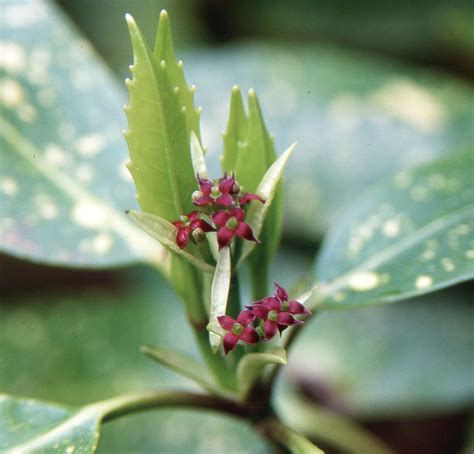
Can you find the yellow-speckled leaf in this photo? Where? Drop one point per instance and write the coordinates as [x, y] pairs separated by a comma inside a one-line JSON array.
[[408, 236], [63, 182]]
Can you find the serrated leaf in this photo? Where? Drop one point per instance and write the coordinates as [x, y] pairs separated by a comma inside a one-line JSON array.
[[182, 364], [29, 426], [70, 178], [267, 189], [159, 126], [219, 293], [236, 131], [408, 236], [251, 366], [165, 233]]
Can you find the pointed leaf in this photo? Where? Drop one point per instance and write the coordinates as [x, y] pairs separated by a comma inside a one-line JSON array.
[[182, 364], [236, 132], [29, 426], [266, 189], [295, 442], [408, 236], [62, 158], [165, 233], [159, 133], [197, 156], [331, 428], [164, 50], [219, 293], [251, 366]]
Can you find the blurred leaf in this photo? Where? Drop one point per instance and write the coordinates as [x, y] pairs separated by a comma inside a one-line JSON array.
[[267, 189], [346, 113], [251, 366], [29, 426], [294, 441], [160, 115], [61, 155], [165, 233], [408, 236], [331, 428], [410, 358], [219, 293], [182, 364]]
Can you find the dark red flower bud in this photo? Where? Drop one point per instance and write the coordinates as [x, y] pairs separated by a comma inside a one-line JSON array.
[[188, 224]]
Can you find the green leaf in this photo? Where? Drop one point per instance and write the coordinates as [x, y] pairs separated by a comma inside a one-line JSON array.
[[160, 117], [62, 160], [219, 293], [165, 233], [331, 428], [182, 364], [267, 189], [408, 236], [251, 366], [30, 426], [236, 131]]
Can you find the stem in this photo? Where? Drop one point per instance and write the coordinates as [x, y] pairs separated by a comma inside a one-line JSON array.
[[260, 284], [146, 400]]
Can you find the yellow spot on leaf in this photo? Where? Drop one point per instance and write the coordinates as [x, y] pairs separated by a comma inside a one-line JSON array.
[[423, 281], [11, 93], [9, 186], [363, 281]]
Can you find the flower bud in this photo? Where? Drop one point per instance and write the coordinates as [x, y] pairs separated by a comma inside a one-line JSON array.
[[196, 195], [198, 235]]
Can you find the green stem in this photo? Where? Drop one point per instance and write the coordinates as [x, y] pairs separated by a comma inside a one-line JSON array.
[[260, 284], [145, 400]]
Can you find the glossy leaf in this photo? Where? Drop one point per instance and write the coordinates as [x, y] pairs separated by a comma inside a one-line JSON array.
[[160, 117], [267, 189], [182, 364], [62, 162], [219, 293], [165, 233], [408, 236], [251, 366], [29, 426]]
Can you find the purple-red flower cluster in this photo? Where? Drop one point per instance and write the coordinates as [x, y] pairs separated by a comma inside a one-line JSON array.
[[222, 199], [269, 315]]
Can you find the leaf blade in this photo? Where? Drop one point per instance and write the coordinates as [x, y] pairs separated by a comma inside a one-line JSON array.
[[158, 134], [219, 293], [165, 233], [267, 189], [430, 237], [251, 366], [182, 364]]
